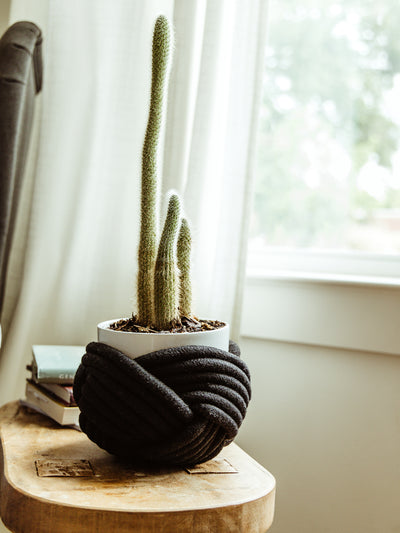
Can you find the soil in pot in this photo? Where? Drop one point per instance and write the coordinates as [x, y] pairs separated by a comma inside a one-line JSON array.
[[186, 325]]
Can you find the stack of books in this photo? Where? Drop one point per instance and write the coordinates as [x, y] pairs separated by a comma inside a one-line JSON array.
[[49, 387]]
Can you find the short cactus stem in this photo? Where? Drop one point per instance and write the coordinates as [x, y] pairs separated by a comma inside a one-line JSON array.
[[165, 273], [148, 226], [183, 257]]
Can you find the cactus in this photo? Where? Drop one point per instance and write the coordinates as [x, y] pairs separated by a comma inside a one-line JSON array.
[[159, 287], [148, 226], [165, 272], [183, 257]]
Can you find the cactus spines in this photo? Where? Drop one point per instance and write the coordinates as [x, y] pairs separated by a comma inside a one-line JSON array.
[[165, 273], [148, 226], [183, 257]]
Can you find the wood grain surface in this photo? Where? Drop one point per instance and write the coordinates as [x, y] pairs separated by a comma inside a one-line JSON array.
[[55, 480]]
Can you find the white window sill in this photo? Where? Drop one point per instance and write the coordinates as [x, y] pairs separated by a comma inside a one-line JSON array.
[[326, 278], [343, 311]]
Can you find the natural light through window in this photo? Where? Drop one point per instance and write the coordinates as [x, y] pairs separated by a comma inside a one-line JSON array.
[[328, 168]]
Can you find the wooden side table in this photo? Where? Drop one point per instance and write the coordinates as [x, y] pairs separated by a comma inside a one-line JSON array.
[[55, 480]]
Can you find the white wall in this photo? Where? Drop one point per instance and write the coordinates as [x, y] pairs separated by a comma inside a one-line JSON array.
[[326, 423]]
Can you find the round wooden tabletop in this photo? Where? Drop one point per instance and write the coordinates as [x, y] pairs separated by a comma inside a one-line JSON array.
[[54, 479]]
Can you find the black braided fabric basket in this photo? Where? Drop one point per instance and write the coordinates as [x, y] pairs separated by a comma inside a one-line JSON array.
[[178, 406]]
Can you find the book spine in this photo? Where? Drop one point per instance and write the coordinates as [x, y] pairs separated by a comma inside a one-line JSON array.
[[64, 377], [61, 392], [64, 415]]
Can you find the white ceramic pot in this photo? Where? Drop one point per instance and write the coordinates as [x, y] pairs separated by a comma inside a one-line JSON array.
[[136, 344]]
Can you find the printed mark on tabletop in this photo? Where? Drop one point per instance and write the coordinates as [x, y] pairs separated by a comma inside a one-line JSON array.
[[64, 468]]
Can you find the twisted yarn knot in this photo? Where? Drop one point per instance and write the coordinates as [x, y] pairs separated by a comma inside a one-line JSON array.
[[178, 406]]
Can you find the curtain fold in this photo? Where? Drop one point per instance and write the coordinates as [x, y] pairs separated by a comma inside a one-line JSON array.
[[81, 238]]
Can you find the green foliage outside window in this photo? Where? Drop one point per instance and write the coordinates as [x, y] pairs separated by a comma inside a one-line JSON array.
[[328, 119]]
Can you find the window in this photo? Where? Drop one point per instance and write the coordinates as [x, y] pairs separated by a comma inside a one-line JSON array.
[[324, 252], [327, 186]]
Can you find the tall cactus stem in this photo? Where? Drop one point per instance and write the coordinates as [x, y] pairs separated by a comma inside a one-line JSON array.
[[148, 225], [165, 273], [184, 247]]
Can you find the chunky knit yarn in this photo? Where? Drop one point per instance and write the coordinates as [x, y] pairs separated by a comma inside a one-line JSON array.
[[178, 406]]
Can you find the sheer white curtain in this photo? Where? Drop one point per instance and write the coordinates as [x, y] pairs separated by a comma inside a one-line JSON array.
[[79, 265]]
